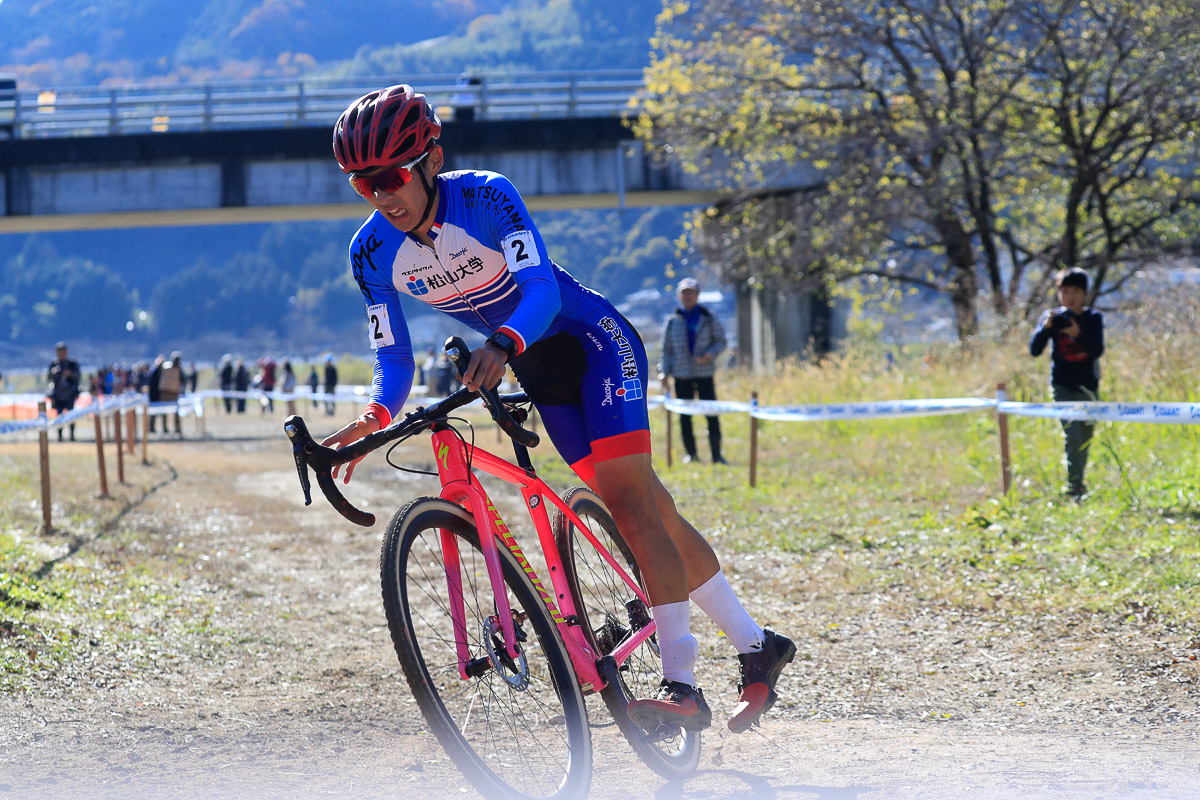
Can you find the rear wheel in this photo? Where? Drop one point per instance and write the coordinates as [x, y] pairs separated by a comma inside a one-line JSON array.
[[517, 727], [612, 612]]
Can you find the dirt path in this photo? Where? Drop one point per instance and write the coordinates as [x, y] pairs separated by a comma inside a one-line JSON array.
[[277, 679]]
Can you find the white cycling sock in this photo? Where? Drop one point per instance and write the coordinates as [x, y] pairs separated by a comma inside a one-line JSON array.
[[678, 647], [716, 599]]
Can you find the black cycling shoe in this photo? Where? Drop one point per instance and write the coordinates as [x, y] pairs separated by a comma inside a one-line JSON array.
[[760, 673], [677, 705]]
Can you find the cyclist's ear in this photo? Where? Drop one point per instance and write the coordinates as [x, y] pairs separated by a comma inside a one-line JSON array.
[[437, 159]]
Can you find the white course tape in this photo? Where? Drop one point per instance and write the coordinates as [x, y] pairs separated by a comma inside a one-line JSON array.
[[704, 407], [1169, 413], [893, 408]]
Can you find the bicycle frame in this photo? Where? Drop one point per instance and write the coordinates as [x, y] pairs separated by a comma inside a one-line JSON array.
[[455, 459]]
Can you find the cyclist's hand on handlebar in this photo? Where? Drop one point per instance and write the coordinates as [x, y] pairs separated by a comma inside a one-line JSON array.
[[349, 435], [486, 368]]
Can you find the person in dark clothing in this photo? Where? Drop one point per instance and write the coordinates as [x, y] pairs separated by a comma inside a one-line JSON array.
[[314, 383], [226, 378], [331, 381], [153, 392], [241, 383], [692, 340], [64, 384], [1077, 333]]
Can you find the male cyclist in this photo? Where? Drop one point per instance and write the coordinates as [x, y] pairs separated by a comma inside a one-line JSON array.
[[464, 243]]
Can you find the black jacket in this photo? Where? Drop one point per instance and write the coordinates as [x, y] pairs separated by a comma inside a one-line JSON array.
[[1075, 361]]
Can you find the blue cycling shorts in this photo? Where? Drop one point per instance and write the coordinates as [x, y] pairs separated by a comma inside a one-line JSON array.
[[588, 383]]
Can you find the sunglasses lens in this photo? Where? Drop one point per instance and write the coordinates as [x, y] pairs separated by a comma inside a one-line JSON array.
[[388, 180], [392, 179]]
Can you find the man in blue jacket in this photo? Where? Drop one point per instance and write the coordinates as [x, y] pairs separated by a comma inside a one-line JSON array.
[[692, 340], [1077, 333]]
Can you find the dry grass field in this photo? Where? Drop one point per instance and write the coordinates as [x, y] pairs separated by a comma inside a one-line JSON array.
[[201, 633]]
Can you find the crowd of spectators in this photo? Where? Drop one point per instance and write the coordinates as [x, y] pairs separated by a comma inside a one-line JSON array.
[[167, 378]]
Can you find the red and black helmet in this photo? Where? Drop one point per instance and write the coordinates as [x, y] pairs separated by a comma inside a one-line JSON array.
[[384, 127]]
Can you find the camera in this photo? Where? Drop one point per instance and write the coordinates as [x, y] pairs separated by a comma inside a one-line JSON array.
[[1061, 319]]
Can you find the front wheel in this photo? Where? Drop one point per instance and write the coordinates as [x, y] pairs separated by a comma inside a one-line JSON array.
[[613, 611], [516, 727]]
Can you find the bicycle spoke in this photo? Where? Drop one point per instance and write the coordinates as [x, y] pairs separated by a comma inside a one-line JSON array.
[[510, 714]]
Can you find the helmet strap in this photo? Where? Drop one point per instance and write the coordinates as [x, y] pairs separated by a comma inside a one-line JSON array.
[[430, 194]]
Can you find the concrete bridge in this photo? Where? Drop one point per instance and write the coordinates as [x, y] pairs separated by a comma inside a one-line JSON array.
[[260, 152]]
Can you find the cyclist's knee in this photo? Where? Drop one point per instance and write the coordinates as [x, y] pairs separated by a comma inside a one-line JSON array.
[[663, 500]]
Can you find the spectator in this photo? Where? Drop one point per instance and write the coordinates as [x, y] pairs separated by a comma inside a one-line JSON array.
[[445, 374], [467, 96], [428, 369], [692, 340], [266, 382], [170, 388], [314, 383], [141, 378], [96, 384], [226, 377], [152, 386], [241, 383], [331, 381], [287, 385], [190, 377], [1077, 332], [64, 384]]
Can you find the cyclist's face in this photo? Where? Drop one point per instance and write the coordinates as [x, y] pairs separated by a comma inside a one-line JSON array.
[[404, 206]]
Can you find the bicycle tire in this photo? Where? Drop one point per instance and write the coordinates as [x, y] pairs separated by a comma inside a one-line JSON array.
[[603, 598], [510, 741]]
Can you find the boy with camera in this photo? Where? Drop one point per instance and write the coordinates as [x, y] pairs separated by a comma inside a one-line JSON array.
[[1078, 336]]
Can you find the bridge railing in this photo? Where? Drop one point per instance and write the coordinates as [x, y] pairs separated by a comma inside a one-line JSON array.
[[100, 111]]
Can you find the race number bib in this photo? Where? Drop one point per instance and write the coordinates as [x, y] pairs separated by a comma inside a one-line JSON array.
[[379, 327], [520, 251]]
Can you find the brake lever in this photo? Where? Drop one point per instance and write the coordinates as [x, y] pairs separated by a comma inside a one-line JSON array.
[[460, 354], [308, 453], [299, 453]]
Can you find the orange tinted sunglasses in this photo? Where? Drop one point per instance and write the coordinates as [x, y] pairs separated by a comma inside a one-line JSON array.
[[386, 180]]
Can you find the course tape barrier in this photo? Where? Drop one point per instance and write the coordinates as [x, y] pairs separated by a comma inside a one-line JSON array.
[[193, 404], [105, 407], [893, 408], [1168, 413]]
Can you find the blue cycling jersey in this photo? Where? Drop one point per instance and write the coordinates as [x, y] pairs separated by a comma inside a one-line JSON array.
[[488, 268]]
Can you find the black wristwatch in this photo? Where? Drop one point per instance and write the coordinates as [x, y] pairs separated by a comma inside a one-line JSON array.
[[502, 341]]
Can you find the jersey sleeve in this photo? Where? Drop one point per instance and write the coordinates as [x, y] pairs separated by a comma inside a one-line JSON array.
[[387, 333], [510, 229]]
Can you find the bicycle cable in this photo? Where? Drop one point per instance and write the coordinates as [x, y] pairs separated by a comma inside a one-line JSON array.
[[470, 449]]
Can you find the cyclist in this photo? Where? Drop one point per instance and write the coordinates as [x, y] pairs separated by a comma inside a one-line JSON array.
[[464, 243]]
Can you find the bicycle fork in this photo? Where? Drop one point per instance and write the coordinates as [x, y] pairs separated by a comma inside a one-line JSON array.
[[460, 488]]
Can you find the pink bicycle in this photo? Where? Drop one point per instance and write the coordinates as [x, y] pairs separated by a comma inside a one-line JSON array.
[[500, 663]]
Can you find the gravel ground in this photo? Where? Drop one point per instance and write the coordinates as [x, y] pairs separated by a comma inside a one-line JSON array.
[[281, 681]]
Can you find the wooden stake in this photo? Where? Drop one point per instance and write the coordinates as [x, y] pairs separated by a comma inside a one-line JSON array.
[[131, 430], [145, 433], [753, 441], [1002, 419], [668, 411], [44, 458], [120, 447], [100, 455]]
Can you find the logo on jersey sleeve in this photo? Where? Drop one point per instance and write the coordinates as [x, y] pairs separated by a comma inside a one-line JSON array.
[[415, 285], [520, 250]]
